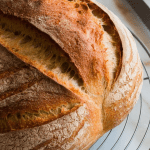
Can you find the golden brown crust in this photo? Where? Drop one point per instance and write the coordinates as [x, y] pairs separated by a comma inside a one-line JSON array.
[[44, 105], [125, 92], [83, 35], [110, 69], [29, 107]]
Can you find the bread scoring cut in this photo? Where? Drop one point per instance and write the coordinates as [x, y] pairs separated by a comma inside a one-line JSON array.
[[27, 98], [43, 53], [29, 42]]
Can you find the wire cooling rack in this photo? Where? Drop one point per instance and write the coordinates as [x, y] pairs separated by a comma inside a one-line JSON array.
[[121, 135]]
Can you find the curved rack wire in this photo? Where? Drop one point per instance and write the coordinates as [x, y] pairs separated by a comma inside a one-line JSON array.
[[137, 123], [139, 117]]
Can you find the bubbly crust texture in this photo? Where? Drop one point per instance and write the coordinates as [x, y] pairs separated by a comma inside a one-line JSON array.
[[92, 67]]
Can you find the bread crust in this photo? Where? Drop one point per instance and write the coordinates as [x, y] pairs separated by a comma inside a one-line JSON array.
[[108, 100], [83, 40], [130, 80], [26, 113]]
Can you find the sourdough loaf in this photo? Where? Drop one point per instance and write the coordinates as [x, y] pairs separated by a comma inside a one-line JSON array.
[[72, 72]]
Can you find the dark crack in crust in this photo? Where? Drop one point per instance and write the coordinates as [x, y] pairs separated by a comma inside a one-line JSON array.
[[30, 99], [40, 48]]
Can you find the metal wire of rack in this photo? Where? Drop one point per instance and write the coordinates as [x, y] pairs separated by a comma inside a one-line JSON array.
[[147, 78]]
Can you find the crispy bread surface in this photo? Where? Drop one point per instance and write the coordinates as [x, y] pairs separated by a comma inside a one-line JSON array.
[[94, 74]]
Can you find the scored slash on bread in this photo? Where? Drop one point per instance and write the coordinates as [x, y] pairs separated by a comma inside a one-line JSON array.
[[37, 104], [28, 98], [82, 46], [84, 38]]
